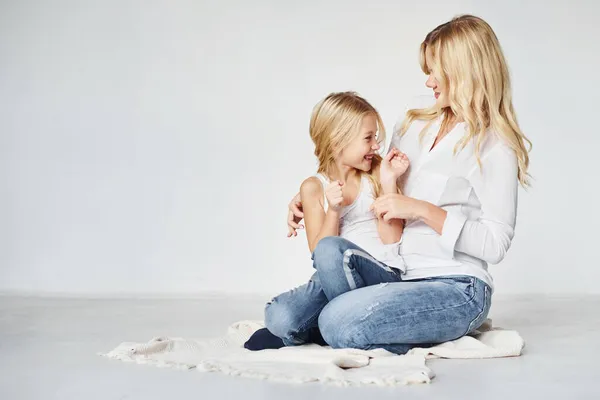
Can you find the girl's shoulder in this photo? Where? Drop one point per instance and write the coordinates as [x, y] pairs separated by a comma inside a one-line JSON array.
[[312, 187]]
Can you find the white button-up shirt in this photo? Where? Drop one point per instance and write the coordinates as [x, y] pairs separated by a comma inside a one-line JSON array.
[[481, 202]]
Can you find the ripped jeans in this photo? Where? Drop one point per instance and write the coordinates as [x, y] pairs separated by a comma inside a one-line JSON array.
[[358, 302]]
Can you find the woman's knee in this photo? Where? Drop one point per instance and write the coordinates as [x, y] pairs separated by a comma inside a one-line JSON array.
[[341, 327]]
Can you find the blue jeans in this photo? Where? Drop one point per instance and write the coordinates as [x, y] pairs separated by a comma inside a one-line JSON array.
[[358, 302]]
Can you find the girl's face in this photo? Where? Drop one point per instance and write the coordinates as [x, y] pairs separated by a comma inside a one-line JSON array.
[[359, 153], [440, 89]]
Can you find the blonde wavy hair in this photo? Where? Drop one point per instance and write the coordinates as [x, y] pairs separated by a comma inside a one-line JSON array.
[[335, 122], [465, 54]]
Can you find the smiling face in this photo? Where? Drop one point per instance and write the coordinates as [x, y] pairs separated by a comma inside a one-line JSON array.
[[361, 150], [347, 132]]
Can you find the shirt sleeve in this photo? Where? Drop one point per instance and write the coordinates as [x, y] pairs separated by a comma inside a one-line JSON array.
[[495, 188]]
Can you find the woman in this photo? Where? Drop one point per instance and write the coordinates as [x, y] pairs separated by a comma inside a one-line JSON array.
[[458, 201]]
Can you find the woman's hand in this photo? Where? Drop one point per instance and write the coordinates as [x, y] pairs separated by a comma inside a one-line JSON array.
[[393, 166], [295, 215], [397, 206]]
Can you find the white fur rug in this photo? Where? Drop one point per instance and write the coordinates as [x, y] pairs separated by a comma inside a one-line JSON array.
[[312, 363]]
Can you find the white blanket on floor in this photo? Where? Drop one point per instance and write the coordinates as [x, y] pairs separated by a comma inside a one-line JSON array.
[[310, 363]]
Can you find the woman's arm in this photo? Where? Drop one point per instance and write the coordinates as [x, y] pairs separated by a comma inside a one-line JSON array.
[[496, 188], [295, 215], [432, 215], [319, 223]]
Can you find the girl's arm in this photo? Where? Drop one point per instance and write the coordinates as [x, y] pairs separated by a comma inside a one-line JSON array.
[[319, 223], [390, 231]]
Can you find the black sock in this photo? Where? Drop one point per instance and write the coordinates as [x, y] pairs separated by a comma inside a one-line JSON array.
[[262, 339], [314, 335]]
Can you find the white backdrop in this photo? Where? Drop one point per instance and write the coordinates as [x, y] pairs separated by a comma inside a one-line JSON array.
[[151, 147]]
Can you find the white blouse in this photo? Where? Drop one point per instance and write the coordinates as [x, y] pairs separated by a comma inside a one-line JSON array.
[[481, 203]]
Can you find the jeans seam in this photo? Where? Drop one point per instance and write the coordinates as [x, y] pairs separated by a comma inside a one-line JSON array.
[[485, 291], [348, 270], [348, 254], [363, 254]]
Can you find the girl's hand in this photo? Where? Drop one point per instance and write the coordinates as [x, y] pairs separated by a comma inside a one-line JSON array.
[[396, 206], [393, 166], [334, 195]]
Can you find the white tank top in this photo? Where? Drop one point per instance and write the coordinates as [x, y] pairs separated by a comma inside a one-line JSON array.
[[359, 225]]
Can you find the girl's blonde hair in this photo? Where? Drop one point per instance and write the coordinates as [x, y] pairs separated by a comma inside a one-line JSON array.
[[335, 122], [465, 54]]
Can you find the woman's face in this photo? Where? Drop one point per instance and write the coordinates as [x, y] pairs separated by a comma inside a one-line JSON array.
[[440, 89]]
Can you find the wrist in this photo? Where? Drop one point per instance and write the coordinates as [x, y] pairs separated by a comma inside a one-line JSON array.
[[389, 187], [431, 215], [333, 212], [422, 210]]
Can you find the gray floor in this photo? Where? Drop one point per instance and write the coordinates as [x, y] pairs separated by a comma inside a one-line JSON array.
[[48, 351]]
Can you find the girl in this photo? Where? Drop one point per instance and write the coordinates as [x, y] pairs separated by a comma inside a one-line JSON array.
[[459, 199], [346, 131]]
